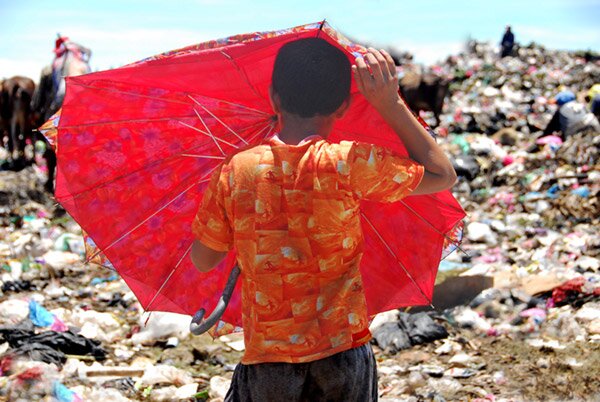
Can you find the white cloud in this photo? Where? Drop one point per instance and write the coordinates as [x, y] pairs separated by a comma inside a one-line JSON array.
[[117, 47], [426, 52], [28, 68], [574, 38], [430, 52], [110, 48]]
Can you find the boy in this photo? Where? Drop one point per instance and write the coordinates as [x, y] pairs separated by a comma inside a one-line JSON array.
[[290, 207]]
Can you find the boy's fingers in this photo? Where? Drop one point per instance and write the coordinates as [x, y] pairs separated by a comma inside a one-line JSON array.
[[383, 63], [375, 67], [358, 79], [390, 63], [380, 58], [363, 73]]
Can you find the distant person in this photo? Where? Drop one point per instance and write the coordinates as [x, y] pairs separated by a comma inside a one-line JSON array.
[[593, 99], [571, 117], [507, 43]]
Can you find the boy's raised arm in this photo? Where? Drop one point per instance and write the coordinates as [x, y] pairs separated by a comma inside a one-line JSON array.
[[380, 87]]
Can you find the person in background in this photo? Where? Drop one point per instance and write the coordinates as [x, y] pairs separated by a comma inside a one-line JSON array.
[[593, 99], [507, 43], [571, 117]]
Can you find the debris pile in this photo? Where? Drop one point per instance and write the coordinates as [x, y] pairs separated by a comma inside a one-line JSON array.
[[531, 237]]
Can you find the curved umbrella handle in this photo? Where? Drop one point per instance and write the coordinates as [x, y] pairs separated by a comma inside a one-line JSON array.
[[197, 326]]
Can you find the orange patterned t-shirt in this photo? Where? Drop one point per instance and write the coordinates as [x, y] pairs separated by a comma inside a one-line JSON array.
[[292, 214]]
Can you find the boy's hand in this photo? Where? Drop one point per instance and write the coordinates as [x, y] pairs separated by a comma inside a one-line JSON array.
[[377, 80]]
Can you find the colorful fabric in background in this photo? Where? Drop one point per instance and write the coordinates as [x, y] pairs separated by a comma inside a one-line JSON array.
[[293, 217], [50, 129], [136, 147], [40, 317], [64, 394]]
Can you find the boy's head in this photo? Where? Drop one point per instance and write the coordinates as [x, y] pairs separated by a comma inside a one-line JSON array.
[[311, 77]]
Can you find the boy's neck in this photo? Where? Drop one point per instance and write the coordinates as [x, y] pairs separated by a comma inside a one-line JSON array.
[[295, 128]]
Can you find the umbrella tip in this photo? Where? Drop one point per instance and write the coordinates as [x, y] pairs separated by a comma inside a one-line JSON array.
[[323, 23], [321, 27], [147, 318], [463, 251]]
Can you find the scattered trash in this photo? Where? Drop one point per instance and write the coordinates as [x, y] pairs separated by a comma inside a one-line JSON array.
[[165, 374], [64, 394], [159, 325], [219, 387], [411, 329], [514, 312], [39, 316]]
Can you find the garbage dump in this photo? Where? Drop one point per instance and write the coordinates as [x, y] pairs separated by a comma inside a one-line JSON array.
[[73, 331]]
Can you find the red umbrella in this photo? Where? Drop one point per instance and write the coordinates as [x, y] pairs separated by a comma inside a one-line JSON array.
[[136, 146]]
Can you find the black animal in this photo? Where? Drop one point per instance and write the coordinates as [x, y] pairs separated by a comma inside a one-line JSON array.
[[44, 106], [16, 117], [424, 92]]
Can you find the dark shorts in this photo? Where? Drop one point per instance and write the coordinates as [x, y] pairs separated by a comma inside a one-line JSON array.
[[346, 376]]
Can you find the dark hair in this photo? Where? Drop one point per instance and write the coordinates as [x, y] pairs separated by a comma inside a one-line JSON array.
[[311, 77]]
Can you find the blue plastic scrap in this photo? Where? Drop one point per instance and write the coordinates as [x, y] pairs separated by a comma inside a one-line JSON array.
[[39, 316]]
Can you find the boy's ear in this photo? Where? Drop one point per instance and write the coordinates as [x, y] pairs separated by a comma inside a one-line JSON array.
[[275, 100], [339, 113]]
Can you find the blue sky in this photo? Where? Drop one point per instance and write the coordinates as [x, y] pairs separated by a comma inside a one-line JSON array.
[[119, 32]]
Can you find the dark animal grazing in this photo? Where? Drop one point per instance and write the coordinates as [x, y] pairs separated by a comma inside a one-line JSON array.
[[424, 92], [16, 117], [44, 106], [43, 98], [3, 122]]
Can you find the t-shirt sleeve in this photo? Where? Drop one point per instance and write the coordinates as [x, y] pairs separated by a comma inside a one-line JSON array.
[[211, 225], [378, 174]]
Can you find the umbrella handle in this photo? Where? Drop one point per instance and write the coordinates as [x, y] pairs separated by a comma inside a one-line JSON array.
[[197, 326]]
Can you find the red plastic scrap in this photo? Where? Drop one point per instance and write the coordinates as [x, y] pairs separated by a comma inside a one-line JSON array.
[[33, 373], [574, 285], [5, 365]]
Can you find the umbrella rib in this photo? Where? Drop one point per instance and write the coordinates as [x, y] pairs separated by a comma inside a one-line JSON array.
[[219, 120], [260, 131], [202, 180], [168, 277], [165, 99], [250, 109], [203, 156], [242, 73], [209, 132], [105, 123], [395, 256], [271, 128], [156, 162], [170, 100], [129, 93], [73, 196], [434, 228]]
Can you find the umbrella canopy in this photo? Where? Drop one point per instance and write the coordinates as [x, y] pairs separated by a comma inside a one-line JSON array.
[[136, 146]]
